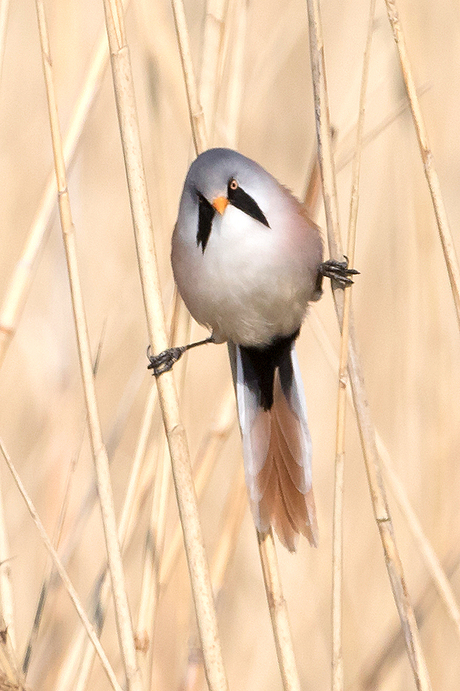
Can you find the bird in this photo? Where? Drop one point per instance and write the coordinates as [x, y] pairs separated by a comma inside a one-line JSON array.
[[247, 260]]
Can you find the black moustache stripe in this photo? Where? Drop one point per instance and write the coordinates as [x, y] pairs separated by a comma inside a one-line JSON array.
[[241, 200], [205, 215]]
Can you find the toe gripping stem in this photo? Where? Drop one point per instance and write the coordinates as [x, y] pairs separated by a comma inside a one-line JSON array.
[[338, 272], [164, 361]]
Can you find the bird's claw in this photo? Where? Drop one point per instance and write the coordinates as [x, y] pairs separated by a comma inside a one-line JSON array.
[[164, 361], [338, 272]]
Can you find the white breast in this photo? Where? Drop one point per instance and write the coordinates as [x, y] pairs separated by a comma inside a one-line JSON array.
[[251, 283]]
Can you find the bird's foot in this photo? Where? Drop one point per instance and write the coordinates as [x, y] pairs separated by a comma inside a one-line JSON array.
[[164, 361], [338, 272]]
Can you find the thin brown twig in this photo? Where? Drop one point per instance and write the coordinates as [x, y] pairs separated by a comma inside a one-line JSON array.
[[445, 234], [367, 433], [124, 625], [312, 194]]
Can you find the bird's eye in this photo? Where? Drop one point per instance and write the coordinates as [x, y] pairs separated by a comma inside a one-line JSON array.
[[240, 199]]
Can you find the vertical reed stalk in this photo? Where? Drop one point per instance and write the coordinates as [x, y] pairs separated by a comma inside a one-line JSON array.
[[337, 552], [196, 557], [367, 433], [432, 563], [272, 580], [212, 48], [196, 113], [278, 612], [81, 655], [124, 626]]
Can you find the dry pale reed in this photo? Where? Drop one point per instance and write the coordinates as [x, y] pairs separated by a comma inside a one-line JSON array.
[[257, 97]]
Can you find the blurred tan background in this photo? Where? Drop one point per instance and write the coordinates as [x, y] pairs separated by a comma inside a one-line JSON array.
[[405, 324]]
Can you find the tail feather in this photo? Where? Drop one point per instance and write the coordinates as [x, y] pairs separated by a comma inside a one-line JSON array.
[[288, 436], [276, 444], [264, 476]]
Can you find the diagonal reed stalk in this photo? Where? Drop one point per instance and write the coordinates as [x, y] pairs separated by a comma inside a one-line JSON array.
[[20, 282], [431, 561], [232, 518], [337, 538], [83, 657], [140, 480], [48, 579], [367, 433], [138, 484], [124, 626], [209, 450], [180, 459], [62, 572], [442, 221], [392, 648]]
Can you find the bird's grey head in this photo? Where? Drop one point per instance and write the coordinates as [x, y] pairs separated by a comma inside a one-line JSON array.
[[224, 174]]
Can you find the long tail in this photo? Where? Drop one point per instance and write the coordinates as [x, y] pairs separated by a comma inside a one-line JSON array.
[[276, 441]]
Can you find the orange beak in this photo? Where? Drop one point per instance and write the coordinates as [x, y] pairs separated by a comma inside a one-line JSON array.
[[220, 204]]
